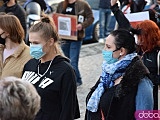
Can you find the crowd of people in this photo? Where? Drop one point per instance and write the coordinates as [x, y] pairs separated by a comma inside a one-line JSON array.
[[40, 80]]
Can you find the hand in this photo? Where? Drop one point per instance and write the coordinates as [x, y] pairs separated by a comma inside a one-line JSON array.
[[79, 27], [153, 6], [158, 2], [113, 2]]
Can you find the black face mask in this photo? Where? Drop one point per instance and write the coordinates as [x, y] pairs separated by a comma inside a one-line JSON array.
[[2, 40], [5, 1]]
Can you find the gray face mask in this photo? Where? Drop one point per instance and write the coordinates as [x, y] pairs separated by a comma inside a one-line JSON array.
[[2, 40]]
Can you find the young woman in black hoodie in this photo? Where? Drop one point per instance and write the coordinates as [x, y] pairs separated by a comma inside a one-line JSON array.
[[51, 74]]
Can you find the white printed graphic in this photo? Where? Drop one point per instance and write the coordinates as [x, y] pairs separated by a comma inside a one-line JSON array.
[[64, 26], [80, 19], [33, 78]]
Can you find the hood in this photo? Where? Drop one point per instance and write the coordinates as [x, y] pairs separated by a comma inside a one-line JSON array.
[[60, 58]]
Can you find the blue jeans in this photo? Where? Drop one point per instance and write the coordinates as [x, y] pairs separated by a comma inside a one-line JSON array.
[[104, 20], [71, 49]]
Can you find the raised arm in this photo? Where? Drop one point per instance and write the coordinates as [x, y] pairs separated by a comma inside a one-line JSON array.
[[120, 17]]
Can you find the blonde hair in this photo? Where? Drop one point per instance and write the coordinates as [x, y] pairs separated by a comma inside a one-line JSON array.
[[19, 99], [48, 30]]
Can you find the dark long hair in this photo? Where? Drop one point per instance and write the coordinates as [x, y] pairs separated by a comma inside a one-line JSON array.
[[125, 39]]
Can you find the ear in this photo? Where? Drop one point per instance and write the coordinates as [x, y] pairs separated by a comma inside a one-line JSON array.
[[51, 42], [123, 52], [6, 34]]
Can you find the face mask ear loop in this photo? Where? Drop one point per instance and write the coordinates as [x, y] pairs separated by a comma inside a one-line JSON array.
[[117, 50], [2, 33]]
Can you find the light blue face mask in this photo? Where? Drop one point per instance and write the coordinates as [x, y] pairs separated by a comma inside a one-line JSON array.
[[36, 51], [108, 56]]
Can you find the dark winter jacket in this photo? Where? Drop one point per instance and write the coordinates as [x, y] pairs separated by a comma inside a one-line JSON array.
[[150, 61], [57, 88], [119, 102]]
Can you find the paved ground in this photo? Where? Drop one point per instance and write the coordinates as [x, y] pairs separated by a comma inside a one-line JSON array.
[[90, 68]]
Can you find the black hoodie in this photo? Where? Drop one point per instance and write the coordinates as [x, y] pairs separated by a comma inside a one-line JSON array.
[[57, 88]]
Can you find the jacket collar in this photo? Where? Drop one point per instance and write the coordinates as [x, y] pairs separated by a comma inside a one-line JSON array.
[[20, 49]]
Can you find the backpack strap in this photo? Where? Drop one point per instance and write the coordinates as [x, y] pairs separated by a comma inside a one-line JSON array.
[[158, 63]]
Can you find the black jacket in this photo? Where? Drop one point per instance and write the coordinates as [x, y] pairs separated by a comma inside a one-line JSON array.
[[150, 61], [57, 88], [118, 102], [18, 11]]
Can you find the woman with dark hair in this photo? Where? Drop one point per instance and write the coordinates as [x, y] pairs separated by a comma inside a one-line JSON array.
[[51, 74], [148, 41], [14, 53], [124, 86], [71, 48]]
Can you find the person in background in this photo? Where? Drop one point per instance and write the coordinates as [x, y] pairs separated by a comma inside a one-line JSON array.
[[132, 6], [14, 53], [71, 48], [149, 45], [43, 3], [1, 3], [148, 41], [156, 10], [51, 74], [124, 86], [19, 99], [12, 6], [104, 19]]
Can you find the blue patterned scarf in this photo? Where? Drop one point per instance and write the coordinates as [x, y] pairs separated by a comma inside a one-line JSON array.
[[110, 72]]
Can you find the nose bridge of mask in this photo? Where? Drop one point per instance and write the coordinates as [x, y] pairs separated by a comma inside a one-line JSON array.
[[106, 52], [36, 51], [108, 56], [36, 46]]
